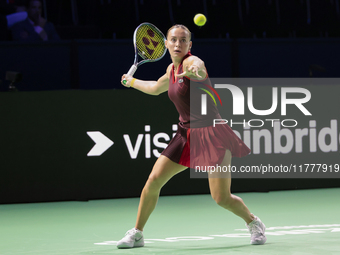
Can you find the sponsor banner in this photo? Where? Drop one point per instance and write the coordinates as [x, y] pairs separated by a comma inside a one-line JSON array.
[[80, 145]]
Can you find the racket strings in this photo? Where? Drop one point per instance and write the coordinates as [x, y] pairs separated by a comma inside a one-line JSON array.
[[150, 42]]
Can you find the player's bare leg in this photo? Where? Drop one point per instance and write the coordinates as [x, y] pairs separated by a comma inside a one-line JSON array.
[[161, 173], [220, 184]]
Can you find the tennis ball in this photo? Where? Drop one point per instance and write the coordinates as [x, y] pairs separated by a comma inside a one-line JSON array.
[[200, 19]]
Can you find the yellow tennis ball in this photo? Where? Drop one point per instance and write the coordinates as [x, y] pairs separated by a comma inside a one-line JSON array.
[[200, 19]]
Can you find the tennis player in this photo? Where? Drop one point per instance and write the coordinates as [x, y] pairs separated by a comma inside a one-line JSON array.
[[220, 142]]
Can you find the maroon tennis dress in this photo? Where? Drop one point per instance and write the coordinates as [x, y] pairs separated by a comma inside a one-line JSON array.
[[197, 142]]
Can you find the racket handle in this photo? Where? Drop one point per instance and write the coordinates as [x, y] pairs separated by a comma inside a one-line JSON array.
[[131, 72]]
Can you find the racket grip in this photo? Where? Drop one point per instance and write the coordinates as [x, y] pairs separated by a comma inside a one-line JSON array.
[[132, 70]]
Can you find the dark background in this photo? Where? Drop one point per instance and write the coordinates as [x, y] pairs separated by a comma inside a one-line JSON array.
[[226, 18], [99, 64]]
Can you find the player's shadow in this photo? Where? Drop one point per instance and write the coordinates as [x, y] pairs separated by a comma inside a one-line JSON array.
[[177, 250]]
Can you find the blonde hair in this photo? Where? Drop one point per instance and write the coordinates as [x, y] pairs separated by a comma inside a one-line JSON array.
[[179, 26]]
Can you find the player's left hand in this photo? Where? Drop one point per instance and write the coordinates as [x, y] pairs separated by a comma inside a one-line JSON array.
[[190, 71]]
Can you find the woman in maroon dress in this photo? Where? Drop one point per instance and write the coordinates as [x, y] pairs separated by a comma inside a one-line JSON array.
[[197, 142]]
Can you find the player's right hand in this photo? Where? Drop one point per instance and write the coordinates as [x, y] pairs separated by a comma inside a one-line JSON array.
[[128, 79]]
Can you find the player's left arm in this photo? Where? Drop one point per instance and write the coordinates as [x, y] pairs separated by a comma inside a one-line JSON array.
[[193, 67]]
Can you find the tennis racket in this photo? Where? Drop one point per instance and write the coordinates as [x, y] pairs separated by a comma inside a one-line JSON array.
[[149, 44]]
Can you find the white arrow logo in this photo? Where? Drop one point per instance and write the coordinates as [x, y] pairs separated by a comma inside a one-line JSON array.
[[102, 143]]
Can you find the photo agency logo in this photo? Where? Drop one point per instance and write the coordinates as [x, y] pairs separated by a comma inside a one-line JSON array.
[[275, 116], [239, 102], [204, 98]]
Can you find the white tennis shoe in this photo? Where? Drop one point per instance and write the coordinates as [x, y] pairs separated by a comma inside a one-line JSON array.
[[133, 238], [257, 229]]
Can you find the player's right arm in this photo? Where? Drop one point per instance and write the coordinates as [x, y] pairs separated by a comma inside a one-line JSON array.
[[149, 87]]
